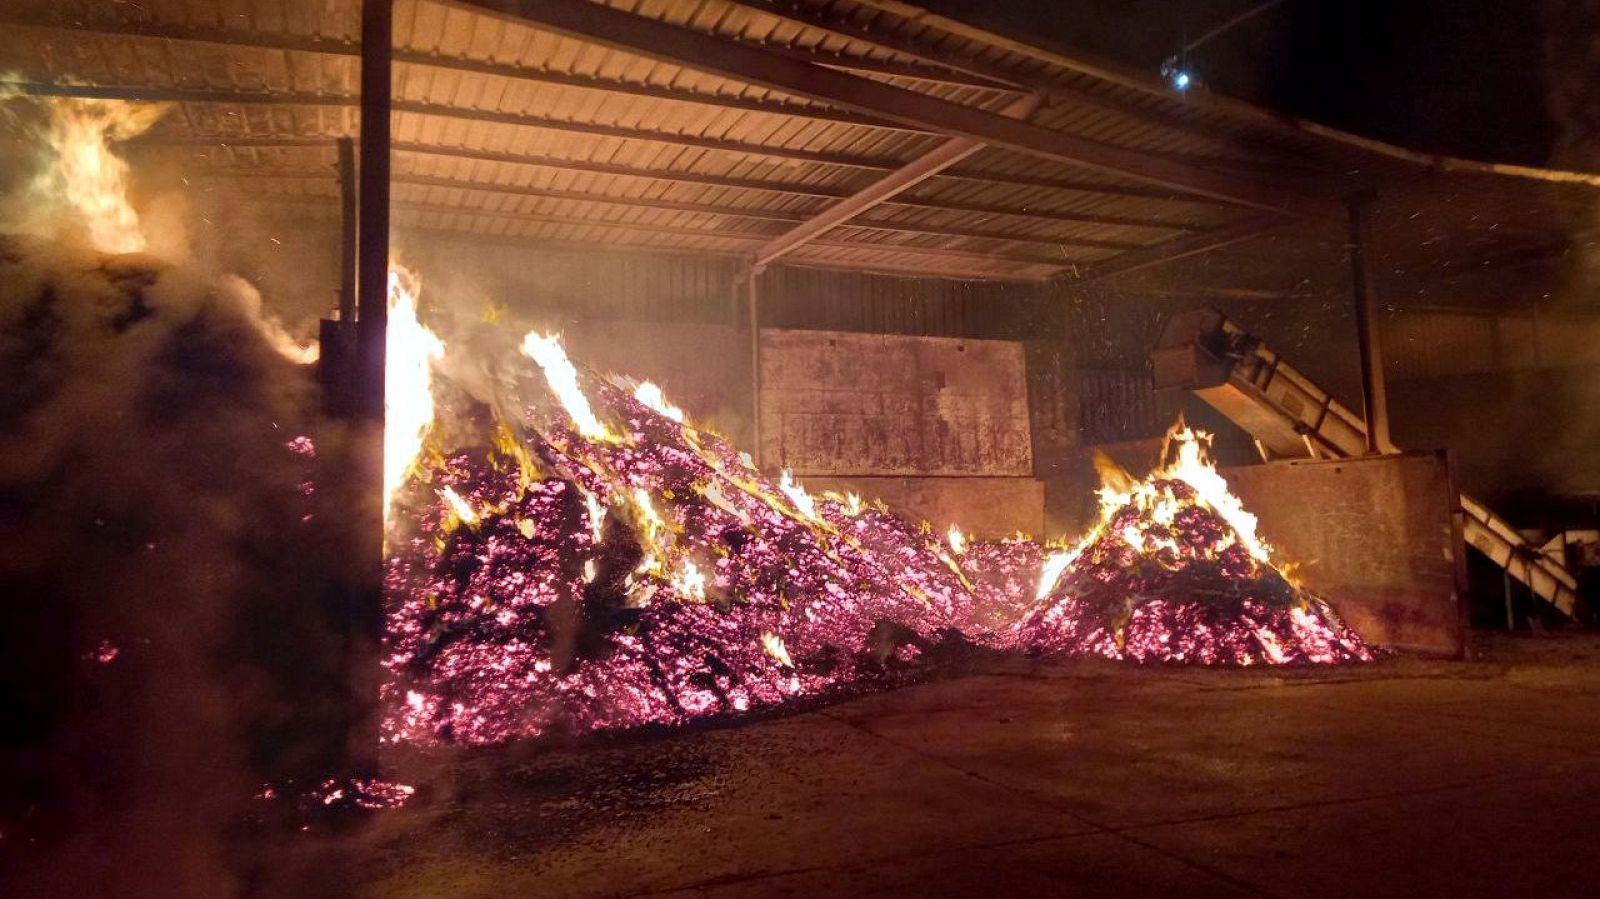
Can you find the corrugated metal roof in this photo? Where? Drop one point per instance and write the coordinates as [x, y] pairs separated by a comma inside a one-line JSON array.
[[506, 129]]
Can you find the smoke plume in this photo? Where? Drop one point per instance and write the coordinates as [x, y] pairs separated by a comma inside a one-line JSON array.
[[174, 557]]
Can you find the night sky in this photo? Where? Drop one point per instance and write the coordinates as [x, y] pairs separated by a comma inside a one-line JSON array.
[[1460, 77]]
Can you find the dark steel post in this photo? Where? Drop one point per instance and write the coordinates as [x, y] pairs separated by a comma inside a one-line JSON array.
[[377, 20], [753, 318], [347, 230], [372, 314], [1374, 399]]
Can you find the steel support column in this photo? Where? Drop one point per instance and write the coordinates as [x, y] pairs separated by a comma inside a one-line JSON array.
[[377, 21], [1374, 399], [347, 231], [752, 299], [372, 313]]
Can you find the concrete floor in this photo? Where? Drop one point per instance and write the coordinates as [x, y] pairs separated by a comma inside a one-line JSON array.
[[1403, 778]]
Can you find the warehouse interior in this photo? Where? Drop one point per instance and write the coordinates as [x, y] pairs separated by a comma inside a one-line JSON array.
[[973, 274]]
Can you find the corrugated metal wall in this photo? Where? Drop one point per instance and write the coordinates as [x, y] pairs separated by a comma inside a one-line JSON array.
[[1434, 344], [1116, 404], [707, 289], [818, 299], [589, 285]]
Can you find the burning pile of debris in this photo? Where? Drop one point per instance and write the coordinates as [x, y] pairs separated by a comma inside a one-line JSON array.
[[604, 564], [1174, 572]]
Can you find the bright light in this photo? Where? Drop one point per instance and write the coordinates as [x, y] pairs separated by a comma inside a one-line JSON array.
[[1054, 564], [690, 582], [1180, 80], [773, 644]]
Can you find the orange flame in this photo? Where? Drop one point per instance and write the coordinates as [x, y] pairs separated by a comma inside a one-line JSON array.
[[562, 376], [410, 353], [1186, 457], [651, 395], [87, 176]]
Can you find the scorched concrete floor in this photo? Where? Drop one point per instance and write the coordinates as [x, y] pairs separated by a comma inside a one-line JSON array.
[[1403, 778]]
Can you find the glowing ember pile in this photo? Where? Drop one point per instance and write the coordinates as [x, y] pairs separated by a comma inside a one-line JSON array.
[[606, 565], [1174, 571]]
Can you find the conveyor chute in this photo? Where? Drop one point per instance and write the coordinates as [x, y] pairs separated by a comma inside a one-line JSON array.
[[1291, 417]]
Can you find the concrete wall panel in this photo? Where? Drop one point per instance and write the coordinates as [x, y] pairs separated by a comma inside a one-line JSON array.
[[859, 404], [985, 508], [1379, 537]]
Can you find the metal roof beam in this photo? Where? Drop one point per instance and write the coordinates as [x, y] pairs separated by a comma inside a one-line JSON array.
[[557, 163], [787, 188], [746, 212], [978, 68], [1177, 248], [626, 31], [678, 231], [295, 43], [908, 176], [183, 95], [522, 120]]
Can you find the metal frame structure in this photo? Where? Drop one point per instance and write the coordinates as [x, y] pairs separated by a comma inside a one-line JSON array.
[[875, 132]]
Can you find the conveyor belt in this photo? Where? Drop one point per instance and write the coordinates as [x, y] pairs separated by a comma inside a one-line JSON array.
[[1291, 417]]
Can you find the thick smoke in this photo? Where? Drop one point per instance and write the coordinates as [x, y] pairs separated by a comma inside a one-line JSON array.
[[175, 567]]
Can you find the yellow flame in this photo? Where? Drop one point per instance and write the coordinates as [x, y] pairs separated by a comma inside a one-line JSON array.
[[597, 515], [689, 581], [849, 502], [461, 507], [1192, 465], [1186, 459], [1054, 564], [803, 503], [1187, 455], [559, 372], [956, 539], [85, 173], [773, 644], [651, 523], [410, 352], [651, 395]]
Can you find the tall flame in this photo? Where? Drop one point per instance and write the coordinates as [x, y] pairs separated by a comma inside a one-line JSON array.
[[546, 349], [87, 176], [1186, 458], [651, 395], [411, 351], [803, 503], [1192, 465]]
